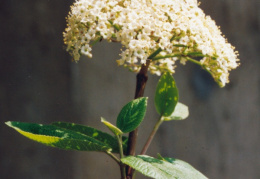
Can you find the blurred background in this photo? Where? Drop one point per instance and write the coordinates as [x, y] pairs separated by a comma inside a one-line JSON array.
[[39, 83]]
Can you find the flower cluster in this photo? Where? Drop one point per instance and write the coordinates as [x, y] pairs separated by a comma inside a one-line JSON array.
[[162, 31]]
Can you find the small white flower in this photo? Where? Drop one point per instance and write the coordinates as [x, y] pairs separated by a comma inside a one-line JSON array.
[[143, 26]]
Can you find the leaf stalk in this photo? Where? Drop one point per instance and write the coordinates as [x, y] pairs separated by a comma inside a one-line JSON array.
[[149, 140], [121, 152], [113, 157]]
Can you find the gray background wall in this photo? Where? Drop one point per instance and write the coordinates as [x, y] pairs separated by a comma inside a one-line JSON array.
[[39, 83]]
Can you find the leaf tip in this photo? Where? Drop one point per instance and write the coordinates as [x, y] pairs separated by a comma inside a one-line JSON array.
[[103, 120], [8, 123], [143, 99], [111, 127]]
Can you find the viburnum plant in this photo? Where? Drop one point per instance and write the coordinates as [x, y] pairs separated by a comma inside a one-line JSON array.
[[154, 34]]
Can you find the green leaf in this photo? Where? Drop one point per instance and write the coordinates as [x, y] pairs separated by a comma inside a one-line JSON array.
[[180, 112], [111, 127], [132, 114], [166, 95], [52, 135], [162, 169], [109, 140]]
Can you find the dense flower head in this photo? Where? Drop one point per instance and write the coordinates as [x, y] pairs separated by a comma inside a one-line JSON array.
[[162, 31]]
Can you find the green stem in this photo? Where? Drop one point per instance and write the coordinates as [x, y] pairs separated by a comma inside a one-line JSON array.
[[167, 56], [156, 52], [120, 145], [121, 152], [113, 157], [114, 25], [149, 140], [198, 63], [96, 41], [193, 61], [184, 56]]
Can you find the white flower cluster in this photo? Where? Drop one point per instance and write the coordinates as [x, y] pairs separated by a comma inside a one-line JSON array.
[[162, 31]]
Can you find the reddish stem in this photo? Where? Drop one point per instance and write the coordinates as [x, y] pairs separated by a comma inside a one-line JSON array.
[[141, 79]]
